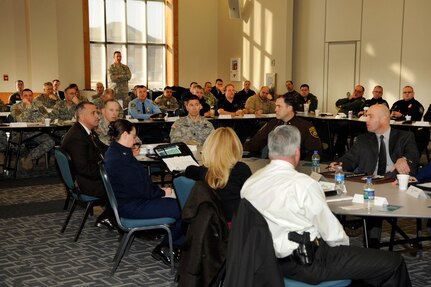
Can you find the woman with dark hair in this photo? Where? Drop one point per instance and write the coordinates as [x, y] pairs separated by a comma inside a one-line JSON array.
[[136, 195]]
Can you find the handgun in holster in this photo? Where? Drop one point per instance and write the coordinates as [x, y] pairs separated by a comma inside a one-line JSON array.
[[304, 254]]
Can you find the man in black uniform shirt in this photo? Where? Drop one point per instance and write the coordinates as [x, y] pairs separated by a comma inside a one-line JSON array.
[[285, 112], [291, 89], [407, 106], [306, 98], [245, 93], [376, 99]]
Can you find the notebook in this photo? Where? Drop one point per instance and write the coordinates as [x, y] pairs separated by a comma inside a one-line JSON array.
[[176, 156]]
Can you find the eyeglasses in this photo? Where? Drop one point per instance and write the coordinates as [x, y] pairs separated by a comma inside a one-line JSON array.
[[137, 145]]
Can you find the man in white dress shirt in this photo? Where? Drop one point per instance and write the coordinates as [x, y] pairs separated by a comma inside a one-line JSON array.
[[292, 202]]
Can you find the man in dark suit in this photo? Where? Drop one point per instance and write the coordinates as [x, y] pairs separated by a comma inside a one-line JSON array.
[[363, 157], [57, 92], [366, 156], [86, 151]]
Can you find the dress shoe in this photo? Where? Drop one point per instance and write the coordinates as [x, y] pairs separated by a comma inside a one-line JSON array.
[[162, 254], [106, 222]]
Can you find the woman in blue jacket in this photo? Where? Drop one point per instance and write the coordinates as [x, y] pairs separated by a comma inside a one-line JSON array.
[[136, 195]]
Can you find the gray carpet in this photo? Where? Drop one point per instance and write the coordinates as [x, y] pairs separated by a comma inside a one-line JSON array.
[[35, 253]]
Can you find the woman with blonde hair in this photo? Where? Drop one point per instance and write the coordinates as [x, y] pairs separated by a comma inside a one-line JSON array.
[[222, 168]]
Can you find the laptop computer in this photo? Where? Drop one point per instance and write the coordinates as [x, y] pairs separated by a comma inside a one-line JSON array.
[[176, 156]]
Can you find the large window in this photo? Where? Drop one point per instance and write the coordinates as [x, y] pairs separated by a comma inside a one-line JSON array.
[[137, 29]]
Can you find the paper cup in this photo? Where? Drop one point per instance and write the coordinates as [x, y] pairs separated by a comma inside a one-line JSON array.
[[403, 181], [306, 108], [408, 118], [317, 113], [47, 122]]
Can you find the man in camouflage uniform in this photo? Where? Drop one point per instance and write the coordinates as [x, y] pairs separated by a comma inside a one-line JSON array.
[[120, 74], [208, 96], [285, 112], [167, 102], [65, 110], [29, 111], [107, 95], [192, 129], [100, 88], [47, 99], [110, 113]]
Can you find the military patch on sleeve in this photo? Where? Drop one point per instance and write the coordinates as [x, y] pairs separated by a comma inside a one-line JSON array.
[[313, 132], [421, 110], [133, 105]]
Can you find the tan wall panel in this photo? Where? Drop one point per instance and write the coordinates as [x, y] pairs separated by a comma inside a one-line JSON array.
[[379, 63], [308, 46], [416, 59], [343, 20], [198, 38]]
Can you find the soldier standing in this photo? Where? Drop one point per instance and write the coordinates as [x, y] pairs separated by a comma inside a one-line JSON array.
[[120, 75]]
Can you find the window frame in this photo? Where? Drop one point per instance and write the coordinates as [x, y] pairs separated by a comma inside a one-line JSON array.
[[170, 46]]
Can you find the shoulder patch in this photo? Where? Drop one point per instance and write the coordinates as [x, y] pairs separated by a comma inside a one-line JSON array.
[[133, 105], [313, 132]]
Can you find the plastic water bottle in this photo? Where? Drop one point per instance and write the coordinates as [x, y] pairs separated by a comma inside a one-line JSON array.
[[339, 180], [369, 194], [315, 162]]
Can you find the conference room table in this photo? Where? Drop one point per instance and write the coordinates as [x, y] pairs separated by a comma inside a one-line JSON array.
[[400, 204]]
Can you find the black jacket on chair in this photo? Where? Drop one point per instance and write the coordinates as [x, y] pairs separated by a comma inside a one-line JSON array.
[[207, 235], [251, 259]]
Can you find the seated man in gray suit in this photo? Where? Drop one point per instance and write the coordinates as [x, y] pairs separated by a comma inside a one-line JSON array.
[[381, 151]]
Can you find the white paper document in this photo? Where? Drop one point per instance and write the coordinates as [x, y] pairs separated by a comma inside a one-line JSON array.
[[336, 198], [378, 200], [179, 163]]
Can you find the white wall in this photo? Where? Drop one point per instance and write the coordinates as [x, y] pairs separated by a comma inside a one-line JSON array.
[[41, 40], [263, 35], [393, 44], [13, 48], [198, 38]]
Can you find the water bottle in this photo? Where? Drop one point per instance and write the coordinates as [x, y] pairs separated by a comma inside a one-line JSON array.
[[315, 162], [369, 194], [339, 180]]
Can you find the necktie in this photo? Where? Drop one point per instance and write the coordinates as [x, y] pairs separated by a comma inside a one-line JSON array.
[[95, 139], [381, 168]]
